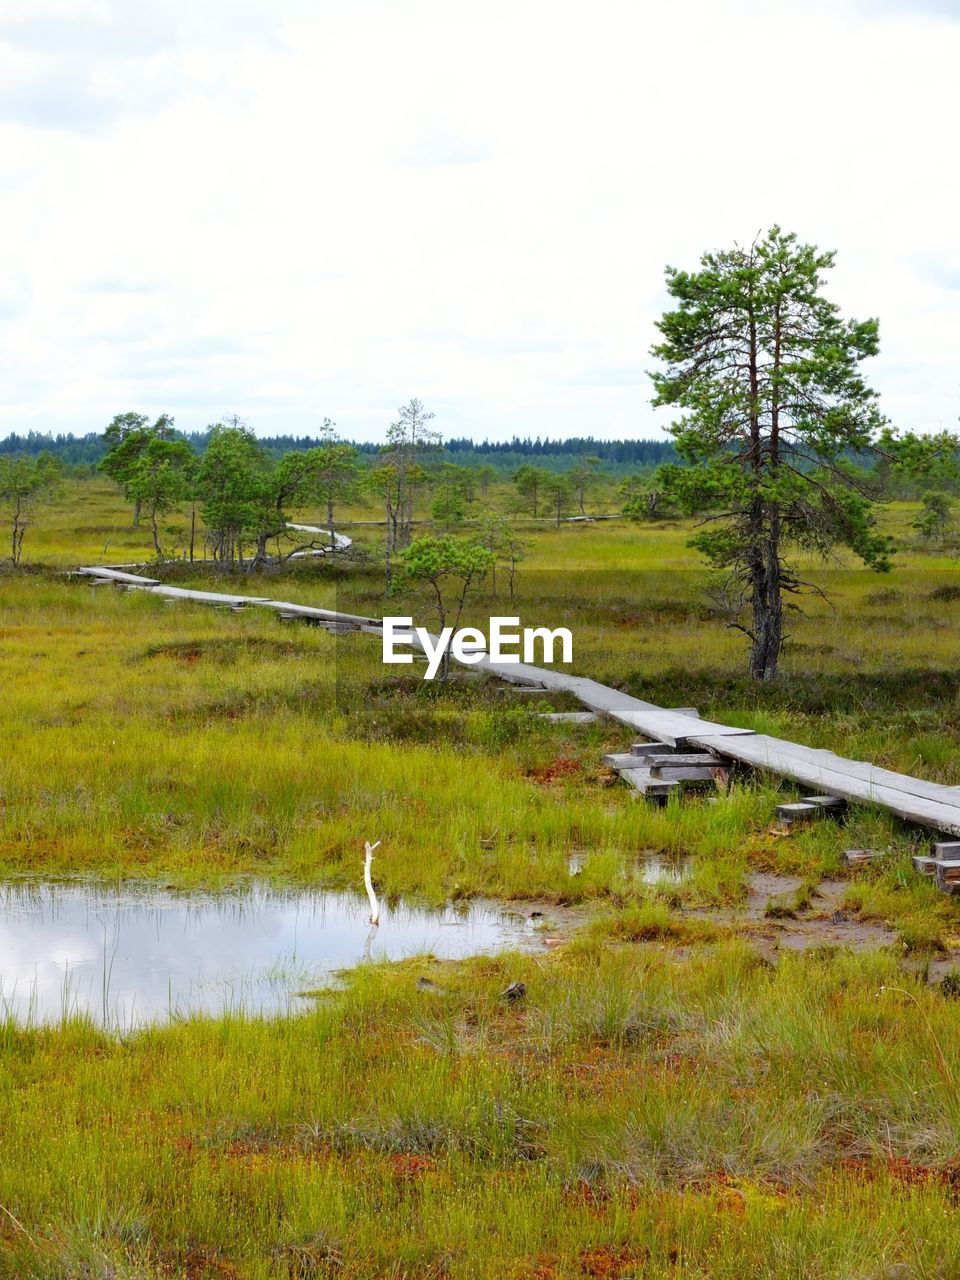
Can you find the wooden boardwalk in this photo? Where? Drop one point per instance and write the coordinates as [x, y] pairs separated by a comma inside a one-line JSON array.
[[928, 804]]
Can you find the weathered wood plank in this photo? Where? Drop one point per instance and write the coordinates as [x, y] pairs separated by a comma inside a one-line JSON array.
[[859, 857], [641, 781], [569, 717], [779, 756], [913, 804], [690, 774], [626, 760], [679, 759], [311, 611], [117, 575], [797, 810]]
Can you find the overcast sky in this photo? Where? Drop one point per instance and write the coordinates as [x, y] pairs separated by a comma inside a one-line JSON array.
[[299, 208]]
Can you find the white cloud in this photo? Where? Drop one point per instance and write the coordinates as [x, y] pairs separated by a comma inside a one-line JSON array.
[[306, 208]]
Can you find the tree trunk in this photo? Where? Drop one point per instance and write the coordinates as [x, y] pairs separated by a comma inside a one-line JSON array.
[[193, 527], [333, 537], [136, 514], [767, 631], [260, 555]]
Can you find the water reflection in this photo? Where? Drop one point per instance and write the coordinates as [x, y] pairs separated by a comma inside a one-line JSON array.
[[133, 956], [650, 869]]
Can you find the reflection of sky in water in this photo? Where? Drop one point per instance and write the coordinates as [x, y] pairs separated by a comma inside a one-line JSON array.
[[650, 869], [128, 957]]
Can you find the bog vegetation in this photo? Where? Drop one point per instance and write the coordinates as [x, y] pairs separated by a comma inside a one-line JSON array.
[[679, 1091]]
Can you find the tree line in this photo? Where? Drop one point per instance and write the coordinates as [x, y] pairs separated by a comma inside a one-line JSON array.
[[90, 448], [779, 446]]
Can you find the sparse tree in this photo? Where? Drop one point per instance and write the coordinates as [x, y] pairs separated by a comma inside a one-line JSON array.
[[230, 488], [448, 508], [486, 474], [584, 477], [288, 483], [453, 492], [766, 374], [647, 504], [559, 493], [160, 480], [335, 473], [449, 569], [935, 523], [507, 547], [128, 436], [529, 481], [400, 472], [24, 484]]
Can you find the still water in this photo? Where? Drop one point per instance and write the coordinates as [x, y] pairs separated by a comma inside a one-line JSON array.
[[131, 956]]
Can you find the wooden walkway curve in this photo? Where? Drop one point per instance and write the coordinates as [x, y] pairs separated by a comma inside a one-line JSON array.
[[928, 804]]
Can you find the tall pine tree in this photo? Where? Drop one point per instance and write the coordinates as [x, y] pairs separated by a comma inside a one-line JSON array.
[[767, 375]]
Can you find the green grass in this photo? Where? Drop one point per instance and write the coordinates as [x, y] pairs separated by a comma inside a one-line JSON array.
[[664, 1102], [706, 1116]]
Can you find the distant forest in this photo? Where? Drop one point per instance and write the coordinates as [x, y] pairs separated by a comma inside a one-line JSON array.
[[505, 455]]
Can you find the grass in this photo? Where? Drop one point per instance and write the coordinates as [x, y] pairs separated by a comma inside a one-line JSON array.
[[637, 1112], [663, 1102]]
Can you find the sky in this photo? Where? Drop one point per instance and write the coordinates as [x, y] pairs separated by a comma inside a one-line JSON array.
[[298, 209]]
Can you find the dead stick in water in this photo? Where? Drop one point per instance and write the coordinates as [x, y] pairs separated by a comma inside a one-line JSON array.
[[368, 882]]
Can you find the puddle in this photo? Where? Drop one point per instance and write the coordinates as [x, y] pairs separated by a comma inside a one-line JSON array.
[[132, 956], [823, 923], [658, 870], [652, 868]]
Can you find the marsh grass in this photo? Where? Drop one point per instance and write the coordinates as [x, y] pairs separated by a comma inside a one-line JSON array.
[[664, 1102], [710, 1114]]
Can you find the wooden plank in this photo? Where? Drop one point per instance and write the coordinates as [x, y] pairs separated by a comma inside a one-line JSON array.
[[859, 857], [625, 760], [690, 774], [311, 611], [944, 849], [768, 753], [641, 781], [679, 758], [117, 575], [825, 802], [206, 597], [569, 717], [797, 810], [925, 866], [648, 748], [765, 752]]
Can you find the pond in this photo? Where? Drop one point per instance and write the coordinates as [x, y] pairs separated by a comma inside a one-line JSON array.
[[129, 956]]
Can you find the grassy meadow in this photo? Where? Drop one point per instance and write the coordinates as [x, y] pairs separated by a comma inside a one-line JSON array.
[[673, 1097]]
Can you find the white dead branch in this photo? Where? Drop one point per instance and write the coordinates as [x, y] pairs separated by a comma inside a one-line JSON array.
[[368, 882]]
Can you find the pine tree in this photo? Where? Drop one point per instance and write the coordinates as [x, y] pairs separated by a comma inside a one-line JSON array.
[[767, 376]]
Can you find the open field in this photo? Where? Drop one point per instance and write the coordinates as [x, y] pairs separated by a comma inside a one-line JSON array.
[[665, 1101]]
